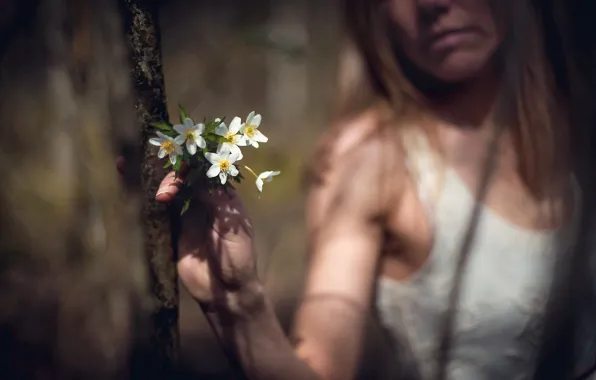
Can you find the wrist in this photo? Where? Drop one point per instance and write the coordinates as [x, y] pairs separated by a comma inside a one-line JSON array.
[[239, 304], [247, 301]]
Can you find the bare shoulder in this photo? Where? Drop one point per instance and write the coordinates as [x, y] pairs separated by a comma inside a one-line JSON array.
[[364, 147], [360, 167], [363, 137]]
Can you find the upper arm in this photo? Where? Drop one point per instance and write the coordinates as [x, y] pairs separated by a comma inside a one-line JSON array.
[[345, 229]]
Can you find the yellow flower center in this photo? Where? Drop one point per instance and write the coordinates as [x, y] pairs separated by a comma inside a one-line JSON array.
[[224, 165], [231, 138], [250, 130], [189, 135], [168, 146]]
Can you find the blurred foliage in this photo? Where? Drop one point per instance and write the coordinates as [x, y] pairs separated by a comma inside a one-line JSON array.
[[260, 38]]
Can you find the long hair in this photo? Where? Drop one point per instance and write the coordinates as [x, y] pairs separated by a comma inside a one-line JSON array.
[[531, 105]]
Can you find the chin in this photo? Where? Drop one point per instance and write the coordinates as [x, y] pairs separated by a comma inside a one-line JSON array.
[[460, 67]]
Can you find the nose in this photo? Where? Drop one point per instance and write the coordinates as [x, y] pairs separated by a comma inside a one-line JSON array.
[[430, 10], [433, 3]]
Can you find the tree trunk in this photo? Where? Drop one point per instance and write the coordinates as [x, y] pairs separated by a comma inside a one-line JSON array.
[[142, 29]]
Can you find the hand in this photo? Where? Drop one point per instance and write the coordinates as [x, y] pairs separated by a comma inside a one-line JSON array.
[[216, 261]]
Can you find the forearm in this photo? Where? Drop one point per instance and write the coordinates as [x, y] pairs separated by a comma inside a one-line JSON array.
[[253, 336]]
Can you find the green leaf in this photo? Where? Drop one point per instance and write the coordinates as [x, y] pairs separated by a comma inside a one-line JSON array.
[[177, 164], [161, 125], [168, 164], [210, 138], [185, 207], [212, 125], [183, 113]]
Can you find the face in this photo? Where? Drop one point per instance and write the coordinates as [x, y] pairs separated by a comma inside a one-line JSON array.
[[452, 40]]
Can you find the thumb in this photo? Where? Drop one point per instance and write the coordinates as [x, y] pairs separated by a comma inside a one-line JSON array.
[[170, 185]]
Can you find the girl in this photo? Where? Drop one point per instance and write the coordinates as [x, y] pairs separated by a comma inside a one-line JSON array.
[[391, 202]]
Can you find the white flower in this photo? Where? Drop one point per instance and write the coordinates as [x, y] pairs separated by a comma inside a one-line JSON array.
[[250, 130], [222, 164], [265, 177], [233, 140], [167, 146], [190, 134]]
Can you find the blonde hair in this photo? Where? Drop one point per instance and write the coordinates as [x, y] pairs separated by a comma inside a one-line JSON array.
[[530, 104]]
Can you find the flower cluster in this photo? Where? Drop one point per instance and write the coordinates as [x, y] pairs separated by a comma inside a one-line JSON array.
[[210, 146]]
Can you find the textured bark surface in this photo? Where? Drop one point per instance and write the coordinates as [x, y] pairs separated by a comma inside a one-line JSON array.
[[143, 33], [72, 273]]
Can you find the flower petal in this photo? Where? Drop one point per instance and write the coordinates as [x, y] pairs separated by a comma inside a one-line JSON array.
[[201, 143], [155, 141], [223, 150], [173, 158], [221, 130], [249, 117], [242, 141], [213, 158], [191, 146], [235, 154], [270, 177], [223, 177], [260, 137], [233, 171], [179, 139], [256, 121], [265, 174], [254, 144], [213, 171], [179, 128], [163, 137], [178, 149], [161, 154], [200, 128], [188, 123], [259, 183], [235, 125]]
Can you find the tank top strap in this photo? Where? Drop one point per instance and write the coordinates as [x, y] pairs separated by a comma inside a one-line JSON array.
[[422, 166]]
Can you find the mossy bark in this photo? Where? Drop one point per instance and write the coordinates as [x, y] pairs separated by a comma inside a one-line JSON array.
[[142, 29]]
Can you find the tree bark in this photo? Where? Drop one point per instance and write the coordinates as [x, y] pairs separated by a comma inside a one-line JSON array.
[[142, 29]]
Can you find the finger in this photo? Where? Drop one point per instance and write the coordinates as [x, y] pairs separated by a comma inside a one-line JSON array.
[[217, 196], [169, 188], [120, 164]]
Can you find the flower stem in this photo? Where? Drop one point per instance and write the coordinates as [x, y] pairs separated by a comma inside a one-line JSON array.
[[250, 170]]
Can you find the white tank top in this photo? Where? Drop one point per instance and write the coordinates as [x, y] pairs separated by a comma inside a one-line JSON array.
[[504, 294]]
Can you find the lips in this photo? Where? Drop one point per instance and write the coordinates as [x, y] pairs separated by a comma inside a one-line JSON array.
[[450, 38]]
